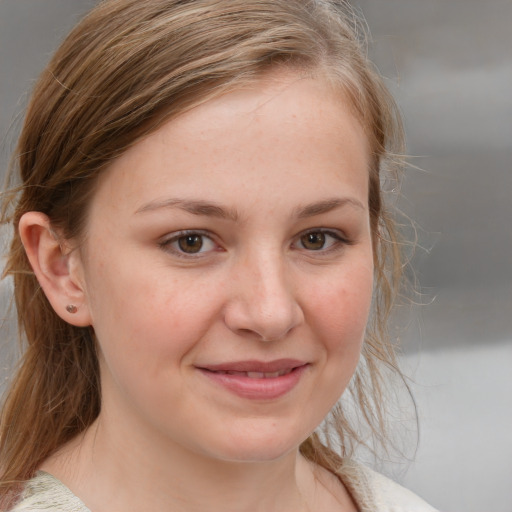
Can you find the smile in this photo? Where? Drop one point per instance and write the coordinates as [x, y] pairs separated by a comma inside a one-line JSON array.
[[256, 380]]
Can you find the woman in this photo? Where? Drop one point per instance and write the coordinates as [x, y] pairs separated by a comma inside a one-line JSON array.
[[199, 240]]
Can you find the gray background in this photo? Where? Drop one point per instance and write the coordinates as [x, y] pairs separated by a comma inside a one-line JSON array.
[[449, 65]]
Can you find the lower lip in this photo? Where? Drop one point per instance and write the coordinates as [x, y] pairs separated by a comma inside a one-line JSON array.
[[257, 389]]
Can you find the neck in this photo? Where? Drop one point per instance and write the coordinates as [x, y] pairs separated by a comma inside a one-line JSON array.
[[111, 471]]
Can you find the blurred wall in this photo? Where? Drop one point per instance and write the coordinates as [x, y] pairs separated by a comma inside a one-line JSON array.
[[449, 65]]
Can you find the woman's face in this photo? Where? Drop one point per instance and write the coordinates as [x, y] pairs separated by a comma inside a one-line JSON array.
[[228, 271]]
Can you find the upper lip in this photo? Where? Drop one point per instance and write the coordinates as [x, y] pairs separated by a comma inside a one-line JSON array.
[[254, 366]]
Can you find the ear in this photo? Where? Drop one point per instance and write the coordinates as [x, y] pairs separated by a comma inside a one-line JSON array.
[[57, 267]]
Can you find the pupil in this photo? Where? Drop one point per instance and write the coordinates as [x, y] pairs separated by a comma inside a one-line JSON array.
[[314, 241], [190, 243]]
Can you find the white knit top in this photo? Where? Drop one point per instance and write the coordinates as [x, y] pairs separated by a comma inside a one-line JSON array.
[[371, 491]]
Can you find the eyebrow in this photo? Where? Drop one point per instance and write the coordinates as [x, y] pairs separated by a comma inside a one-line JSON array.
[[211, 209], [195, 207], [327, 205]]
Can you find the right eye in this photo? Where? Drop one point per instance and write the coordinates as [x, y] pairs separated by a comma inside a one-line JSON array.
[[188, 243]]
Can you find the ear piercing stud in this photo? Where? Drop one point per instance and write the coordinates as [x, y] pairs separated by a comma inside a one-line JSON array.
[[71, 308]]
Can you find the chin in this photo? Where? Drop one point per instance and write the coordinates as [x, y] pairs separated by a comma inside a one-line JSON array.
[[257, 453], [257, 444]]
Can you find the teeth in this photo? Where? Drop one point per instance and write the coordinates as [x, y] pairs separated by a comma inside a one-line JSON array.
[[258, 375]]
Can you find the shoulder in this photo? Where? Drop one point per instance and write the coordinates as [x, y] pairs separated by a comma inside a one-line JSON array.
[[377, 493], [45, 493]]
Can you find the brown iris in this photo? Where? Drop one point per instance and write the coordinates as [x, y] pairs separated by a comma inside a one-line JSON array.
[[190, 243], [313, 241]]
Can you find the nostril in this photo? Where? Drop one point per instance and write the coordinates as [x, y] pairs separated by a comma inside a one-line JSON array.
[[248, 333]]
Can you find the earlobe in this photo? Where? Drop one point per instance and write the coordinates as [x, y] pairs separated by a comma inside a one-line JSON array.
[[55, 269]]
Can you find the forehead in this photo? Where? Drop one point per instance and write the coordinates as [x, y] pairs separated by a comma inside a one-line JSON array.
[[286, 130]]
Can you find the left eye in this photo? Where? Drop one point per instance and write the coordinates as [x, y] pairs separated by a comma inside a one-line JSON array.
[[318, 240], [189, 243]]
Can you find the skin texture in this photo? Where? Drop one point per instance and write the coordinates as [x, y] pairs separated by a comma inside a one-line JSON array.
[[285, 270]]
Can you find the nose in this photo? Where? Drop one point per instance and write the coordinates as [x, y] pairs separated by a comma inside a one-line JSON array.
[[263, 303]]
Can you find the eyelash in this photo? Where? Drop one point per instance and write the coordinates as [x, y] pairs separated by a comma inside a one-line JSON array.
[[339, 241], [167, 243]]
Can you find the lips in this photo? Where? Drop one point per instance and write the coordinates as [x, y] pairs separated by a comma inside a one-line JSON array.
[[255, 379]]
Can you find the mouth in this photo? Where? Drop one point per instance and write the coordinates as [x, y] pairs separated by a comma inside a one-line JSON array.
[[257, 380]]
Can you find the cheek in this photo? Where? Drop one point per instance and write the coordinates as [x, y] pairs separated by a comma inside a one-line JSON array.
[[148, 314], [338, 311], [147, 332], [341, 307]]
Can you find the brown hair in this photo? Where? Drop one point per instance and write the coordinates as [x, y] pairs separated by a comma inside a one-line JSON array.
[[127, 67]]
